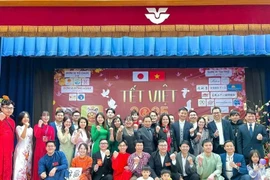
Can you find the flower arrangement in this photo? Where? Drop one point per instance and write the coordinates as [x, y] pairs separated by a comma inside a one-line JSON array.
[[262, 114]]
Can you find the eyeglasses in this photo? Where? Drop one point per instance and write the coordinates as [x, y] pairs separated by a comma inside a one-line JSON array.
[[162, 145], [9, 108], [103, 143]]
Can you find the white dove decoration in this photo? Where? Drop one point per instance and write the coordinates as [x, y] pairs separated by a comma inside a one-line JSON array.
[[111, 103], [105, 93], [188, 105], [155, 16], [184, 92]]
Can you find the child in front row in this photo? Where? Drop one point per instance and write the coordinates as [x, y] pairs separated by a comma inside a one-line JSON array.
[[146, 171], [256, 170], [166, 174]]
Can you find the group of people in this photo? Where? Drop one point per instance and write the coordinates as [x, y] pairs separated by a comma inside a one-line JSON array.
[[156, 147]]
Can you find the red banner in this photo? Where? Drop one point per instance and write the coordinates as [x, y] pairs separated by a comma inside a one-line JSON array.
[[163, 90], [95, 16]]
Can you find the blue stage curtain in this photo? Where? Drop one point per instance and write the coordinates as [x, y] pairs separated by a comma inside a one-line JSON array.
[[16, 81], [128, 46]]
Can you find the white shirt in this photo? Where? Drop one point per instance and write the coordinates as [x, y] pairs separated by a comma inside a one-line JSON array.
[[141, 178], [253, 126], [194, 125], [75, 126], [102, 155], [184, 160], [220, 132], [58, 126], [181, 125], [229, 169], [162, 158]]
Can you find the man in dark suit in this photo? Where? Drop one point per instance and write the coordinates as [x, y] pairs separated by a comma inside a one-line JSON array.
[[233, 164], [147, 135], [102, 162], [220, 130], [183, 129], [57, 125], [251, 136], [184, 163], [160, 160]]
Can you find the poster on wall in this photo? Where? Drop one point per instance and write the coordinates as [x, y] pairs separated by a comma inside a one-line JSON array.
[[161, 90]]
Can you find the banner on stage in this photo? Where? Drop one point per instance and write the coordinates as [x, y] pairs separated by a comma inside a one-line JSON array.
[[145, 90]]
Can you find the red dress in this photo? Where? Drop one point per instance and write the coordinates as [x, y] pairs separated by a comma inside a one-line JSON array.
[[118, 165], [42, 134], [7, 128]]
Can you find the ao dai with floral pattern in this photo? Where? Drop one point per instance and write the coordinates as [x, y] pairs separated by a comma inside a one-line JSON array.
[[23, 154]]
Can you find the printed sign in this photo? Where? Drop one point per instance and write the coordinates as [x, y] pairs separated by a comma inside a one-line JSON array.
[[234, 87], [77, 89], [214, 80], [200, 88], [217, 88], [145, 90], [223, 95], [218, 72], [223, 102]]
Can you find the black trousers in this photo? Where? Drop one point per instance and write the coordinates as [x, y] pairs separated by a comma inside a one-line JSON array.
[[193, 176], [107, 177]]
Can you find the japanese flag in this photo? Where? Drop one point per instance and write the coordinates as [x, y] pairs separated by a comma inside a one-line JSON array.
[[140, 76]]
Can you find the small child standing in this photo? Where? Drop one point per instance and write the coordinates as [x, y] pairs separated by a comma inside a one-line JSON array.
[[255, 170], [146, 171], [166, 174]]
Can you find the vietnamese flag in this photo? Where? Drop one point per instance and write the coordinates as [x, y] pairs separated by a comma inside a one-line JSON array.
[[156, 75]]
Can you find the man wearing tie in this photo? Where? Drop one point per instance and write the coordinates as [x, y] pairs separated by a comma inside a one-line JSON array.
[[251, 136], [146, 134]]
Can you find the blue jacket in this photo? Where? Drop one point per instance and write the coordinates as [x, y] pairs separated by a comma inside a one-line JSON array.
[[47, 163], [186, 134], [227, 132], [246, 143], [57, 143], [238, 159]]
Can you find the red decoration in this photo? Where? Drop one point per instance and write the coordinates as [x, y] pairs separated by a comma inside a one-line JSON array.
[[156, 75], [95, 16]]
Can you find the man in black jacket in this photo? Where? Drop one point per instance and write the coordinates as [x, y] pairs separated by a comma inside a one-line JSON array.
[[235, 123], [102, 162], [220, 130], [160, 160]]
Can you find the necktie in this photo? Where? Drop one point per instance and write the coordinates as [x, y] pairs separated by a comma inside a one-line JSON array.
[[149, 130], [250, 130], [150, 133]]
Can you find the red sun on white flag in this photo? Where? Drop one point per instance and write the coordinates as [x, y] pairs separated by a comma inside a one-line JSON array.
[[140, 76]]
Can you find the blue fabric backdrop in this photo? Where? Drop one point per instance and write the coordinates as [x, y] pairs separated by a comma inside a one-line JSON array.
[[17, 73], [127, 46]]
